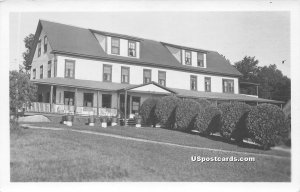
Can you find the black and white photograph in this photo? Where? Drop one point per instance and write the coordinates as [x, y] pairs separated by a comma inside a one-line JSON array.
[[129, 94]]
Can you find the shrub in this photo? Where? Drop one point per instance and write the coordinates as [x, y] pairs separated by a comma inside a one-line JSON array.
[[185, 114], [266, 125], [208, 120], [147, 111], [233, 120], [203, 103], [165, 111]]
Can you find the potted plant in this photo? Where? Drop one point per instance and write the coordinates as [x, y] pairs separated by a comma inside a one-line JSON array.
[[114, 121], [138, 121], [91, 120], [104, 122], [64, 119], [69, 119]]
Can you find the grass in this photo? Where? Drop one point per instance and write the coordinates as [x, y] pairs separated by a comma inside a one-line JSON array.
[[171, 136], [46, 155]]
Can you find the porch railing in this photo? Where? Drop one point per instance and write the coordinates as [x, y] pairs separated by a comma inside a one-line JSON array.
[[69, 109]]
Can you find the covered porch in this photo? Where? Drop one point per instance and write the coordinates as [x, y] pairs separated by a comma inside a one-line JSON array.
[[86, 98]]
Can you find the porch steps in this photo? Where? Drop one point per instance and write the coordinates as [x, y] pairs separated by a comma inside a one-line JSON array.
[[130, 122]]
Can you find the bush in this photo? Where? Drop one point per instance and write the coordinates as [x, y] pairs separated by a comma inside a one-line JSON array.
[[185, 114], [208, 120], [203, 103], [165, 111], [266, 125], [147, 111], [233, 120]]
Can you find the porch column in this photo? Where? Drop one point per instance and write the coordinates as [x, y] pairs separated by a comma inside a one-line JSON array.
[[51, 98], [257, 90], [75, 101], [125, 110], [130, 104], [97, 103], [118, 101]]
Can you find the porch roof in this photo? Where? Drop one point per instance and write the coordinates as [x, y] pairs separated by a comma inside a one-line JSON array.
[[103, 86], [221, 96], [109, 86], [79, 83]]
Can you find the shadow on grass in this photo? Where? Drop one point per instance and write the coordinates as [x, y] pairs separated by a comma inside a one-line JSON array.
[[239, 144]]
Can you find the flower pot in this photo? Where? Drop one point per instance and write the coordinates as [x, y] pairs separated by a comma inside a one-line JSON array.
[[104, 124], [69, 123]]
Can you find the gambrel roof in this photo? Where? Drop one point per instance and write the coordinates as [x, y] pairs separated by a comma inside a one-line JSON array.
[[76, 41]]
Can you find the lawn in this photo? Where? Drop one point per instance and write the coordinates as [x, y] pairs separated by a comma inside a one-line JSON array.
[[47, 155]]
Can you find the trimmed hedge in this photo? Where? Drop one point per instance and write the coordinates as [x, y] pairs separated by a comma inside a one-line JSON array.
[[266, 125], [208, 121], [165, 111], [185, 115], [203, 103], [147, 111], [233, 120]]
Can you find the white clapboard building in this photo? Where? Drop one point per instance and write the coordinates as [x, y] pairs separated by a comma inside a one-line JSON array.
[[91, 72]]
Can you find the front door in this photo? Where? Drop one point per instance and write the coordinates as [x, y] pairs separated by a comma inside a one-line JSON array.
[[136, 104]]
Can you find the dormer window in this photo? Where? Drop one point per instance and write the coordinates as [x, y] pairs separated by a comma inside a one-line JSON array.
[[188, 58], [39, 48], [200, 59], [115, 46], [45, 44], [131, 48]]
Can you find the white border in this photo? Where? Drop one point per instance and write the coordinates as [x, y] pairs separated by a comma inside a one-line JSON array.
[[7, 7]]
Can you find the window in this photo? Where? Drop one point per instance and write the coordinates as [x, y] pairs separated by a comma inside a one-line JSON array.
[[115, 46], [55, 67], [69, 69], [200, 59], [88, 99], [69, 98], [125, 74], [41, 71], [207, 84], [107, 70], [193, 83], [147, 76], [228, 86], [39, 48], [106, 100], [49, 69], [162, 78], [135, 104], [33, 73], [131, 48], [188, 58], [45, 44]]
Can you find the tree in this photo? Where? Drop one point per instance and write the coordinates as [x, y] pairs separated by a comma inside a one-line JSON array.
[[249, 68], [21, 90], [28, 40], [272, 83]]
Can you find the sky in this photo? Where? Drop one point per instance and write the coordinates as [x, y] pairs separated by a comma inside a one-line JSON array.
[[265, 35]]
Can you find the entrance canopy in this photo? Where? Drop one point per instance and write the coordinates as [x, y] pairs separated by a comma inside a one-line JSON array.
[[151, 88]]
